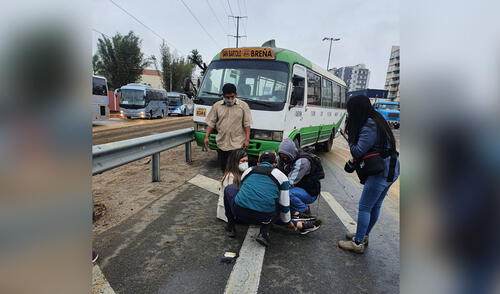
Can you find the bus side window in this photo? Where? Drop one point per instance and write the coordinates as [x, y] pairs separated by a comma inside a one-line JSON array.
[[297, 91], [313, 89], [342, 97]]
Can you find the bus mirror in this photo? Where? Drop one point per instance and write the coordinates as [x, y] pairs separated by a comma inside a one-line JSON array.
[[187, 84], [297, 95]]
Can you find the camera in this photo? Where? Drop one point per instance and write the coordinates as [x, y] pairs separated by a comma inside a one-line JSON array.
[[350, 166]]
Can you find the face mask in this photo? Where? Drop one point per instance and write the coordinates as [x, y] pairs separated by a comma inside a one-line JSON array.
[[243, 166], [229, 102]]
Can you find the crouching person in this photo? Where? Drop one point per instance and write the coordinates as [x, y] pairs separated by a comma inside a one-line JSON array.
[[262, 200]]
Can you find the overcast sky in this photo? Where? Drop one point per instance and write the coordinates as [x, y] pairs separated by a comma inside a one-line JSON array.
[[367, 29]]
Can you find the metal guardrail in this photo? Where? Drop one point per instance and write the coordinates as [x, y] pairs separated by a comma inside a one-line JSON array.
[[115, 154]]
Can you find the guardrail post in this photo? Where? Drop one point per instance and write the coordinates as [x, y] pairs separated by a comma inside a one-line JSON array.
[[155, 167], [188, 152]]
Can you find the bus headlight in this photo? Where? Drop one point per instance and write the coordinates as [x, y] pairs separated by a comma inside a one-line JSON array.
[[278, 136], [201, 128], [263, 135], [268, 135]]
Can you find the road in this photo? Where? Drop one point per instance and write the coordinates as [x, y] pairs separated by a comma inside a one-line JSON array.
[[175, 244], [118, 129]]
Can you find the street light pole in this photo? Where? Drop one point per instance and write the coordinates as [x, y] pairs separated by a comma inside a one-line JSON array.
[[331, 39]]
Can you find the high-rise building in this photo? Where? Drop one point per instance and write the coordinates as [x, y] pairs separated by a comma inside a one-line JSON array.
[[356, 77], [392, 78]]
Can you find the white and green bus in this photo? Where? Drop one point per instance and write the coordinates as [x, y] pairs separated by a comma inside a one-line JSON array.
[[288, 95]]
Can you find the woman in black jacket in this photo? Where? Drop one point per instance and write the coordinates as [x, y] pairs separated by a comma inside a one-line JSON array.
[[369, 135]]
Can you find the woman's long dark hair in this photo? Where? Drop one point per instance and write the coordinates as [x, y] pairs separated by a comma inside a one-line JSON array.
[[359, 109], [232, 166]]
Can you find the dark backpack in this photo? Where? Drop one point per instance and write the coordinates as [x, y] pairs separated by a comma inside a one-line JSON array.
[[317, 171]]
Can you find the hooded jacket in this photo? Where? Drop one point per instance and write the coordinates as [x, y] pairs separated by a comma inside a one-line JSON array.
[[298, 169]]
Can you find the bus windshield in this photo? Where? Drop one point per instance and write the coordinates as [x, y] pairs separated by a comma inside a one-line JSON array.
[[174, 101], [389, 106], [132, 97], [255, 80]]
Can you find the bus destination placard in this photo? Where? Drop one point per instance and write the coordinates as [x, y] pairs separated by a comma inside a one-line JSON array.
[[247, 53]]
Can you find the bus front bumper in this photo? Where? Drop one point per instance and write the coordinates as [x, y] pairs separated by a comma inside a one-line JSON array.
[[140, 113], [256, 146]]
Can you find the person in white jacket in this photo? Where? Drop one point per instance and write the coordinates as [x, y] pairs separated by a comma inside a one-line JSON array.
[[236, 165]]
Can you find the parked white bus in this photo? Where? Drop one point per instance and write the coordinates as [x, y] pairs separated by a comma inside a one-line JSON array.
[[100, 108], [288, 95]]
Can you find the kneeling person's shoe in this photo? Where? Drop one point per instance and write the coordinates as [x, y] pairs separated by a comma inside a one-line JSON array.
[[310, 226], [263, 239], [303, 217], [351, 235], [231, 231], [352, 246]]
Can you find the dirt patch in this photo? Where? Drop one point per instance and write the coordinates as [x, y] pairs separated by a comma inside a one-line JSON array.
[[127, 189]]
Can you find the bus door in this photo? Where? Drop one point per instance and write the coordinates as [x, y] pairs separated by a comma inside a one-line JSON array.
[[295, 110]]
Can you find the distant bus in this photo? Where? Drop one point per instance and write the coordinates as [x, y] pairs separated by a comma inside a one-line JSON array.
[[100, 109], [289, 97], [180, 104], [142, 101]]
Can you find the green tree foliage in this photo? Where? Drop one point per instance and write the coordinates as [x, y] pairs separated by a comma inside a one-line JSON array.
[[120, 59], [173, 69], [195, 57]]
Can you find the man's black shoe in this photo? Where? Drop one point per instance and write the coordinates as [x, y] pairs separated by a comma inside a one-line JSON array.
[[263, 239]]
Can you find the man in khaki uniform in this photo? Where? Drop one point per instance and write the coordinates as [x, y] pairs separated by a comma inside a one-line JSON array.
[[231, 118]]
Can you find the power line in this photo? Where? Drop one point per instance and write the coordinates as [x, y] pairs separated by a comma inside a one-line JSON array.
[[101, 33], [194, 16], [239, 8], [231, 10], [143, 24], [217, 18]]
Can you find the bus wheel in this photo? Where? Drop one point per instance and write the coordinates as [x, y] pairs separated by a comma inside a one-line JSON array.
[[324, 146], [185, 112], [163, 114], [150, 114], [129, 117]]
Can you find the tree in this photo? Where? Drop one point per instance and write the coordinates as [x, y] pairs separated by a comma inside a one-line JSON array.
[[96, 63], [196, 58], [120, 59], [173, 69]]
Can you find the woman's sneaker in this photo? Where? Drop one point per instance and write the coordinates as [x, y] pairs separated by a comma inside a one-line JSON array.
[[351, 235], [352, 246], [310, 226]]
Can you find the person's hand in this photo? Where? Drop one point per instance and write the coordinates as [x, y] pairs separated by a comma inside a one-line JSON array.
[[206, 141], [292, 226], [246, 144]]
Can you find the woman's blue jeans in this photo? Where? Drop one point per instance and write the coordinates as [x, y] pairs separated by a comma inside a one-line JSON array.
[[373, 195]]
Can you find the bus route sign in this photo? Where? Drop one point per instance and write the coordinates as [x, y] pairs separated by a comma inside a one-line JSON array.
[[247, 53]]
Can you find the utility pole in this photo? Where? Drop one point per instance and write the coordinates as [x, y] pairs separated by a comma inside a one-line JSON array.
[[237, 28], [330, 51]]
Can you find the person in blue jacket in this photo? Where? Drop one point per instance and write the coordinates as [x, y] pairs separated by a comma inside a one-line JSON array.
[[368, 133]]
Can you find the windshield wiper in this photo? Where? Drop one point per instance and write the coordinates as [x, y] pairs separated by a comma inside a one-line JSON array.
[[255, 101], [212, 93]]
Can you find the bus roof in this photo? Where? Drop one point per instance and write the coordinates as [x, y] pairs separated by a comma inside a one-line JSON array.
[[293, 57]]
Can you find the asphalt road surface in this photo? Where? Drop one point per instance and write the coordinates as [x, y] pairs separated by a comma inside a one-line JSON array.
[[175, 244]]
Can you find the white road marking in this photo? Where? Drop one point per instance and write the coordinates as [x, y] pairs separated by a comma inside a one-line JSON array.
[[206, 183], [245, 276], [344, 217]]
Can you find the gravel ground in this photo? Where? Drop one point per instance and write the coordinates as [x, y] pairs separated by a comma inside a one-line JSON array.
[[126, 189]]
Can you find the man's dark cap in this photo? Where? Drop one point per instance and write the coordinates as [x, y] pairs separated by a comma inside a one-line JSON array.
[[229, 88], [267, 156]]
